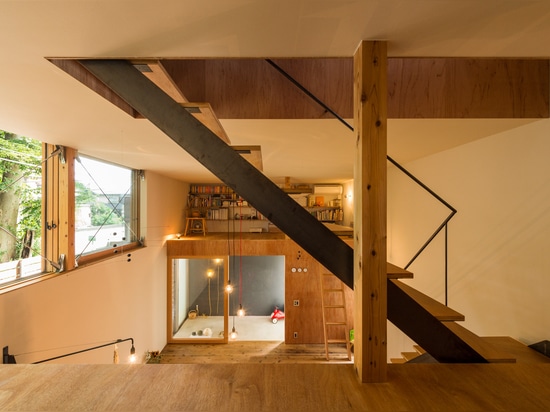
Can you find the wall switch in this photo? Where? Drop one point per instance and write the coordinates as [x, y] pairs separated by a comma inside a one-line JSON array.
[[295, 335], [296, 302]]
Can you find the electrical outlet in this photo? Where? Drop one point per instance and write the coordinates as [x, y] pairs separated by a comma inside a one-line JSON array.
[[295, 335], [296, 302]]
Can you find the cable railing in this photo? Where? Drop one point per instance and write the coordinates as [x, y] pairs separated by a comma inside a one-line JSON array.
[[443, 225]]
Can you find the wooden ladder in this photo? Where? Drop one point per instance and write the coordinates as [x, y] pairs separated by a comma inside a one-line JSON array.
[[333, 301]]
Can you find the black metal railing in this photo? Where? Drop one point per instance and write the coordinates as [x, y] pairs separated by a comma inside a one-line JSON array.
[[7, 358], [443, 225]]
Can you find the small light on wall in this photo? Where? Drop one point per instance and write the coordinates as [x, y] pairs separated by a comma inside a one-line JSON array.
[[178, 235], [349, 196]]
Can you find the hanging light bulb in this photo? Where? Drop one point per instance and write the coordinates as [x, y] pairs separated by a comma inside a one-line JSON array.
[[210, 273], [240, 312], [233, 334], [132, 354], [229, 287]]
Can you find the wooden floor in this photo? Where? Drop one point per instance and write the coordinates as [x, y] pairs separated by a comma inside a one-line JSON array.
[[252, 352], [273, 387], [229, 383]]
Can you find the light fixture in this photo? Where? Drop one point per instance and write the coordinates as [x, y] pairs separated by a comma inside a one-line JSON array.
[[132, 353], [240, 312], [209, 275], [233, 335], [229, 287], [178, 235], [7, 358]]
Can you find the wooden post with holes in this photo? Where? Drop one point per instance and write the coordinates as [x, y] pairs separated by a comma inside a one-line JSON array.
[[370, 181]]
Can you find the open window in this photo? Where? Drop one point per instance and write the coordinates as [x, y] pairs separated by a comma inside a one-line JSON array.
[[106, 208]]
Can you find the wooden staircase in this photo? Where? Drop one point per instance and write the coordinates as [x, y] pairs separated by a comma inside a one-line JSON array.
[[433, 326]]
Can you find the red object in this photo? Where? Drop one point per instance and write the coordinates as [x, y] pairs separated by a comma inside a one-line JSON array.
[[277, 314]]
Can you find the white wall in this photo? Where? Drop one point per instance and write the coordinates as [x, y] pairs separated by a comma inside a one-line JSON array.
[[117, 298], [499, 241]]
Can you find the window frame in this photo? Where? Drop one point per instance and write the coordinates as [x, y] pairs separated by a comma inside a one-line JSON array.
[[94, 256], [58, 218]]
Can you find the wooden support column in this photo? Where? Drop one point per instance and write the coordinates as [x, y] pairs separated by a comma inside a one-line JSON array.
[[370, 120]]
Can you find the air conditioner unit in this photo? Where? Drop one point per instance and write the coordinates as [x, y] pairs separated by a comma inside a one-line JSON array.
[[327, 189]]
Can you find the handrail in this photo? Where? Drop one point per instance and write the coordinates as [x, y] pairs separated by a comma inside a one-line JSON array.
[[401, 168], [442, 226], [436, 196]]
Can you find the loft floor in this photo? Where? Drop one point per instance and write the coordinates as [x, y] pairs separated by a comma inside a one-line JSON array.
[[274, 387]]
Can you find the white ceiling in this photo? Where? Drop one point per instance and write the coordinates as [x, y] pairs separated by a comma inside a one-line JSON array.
[[39, 100]]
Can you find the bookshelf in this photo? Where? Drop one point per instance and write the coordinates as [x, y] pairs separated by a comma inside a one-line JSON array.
[[225, 210]]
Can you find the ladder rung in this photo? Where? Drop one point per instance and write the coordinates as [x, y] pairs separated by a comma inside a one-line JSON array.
[[342, 325]]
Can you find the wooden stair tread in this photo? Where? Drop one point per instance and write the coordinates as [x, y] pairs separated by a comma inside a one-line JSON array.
[[410, 355], [437, 309], [419, 349], [395, 272], [482, 346], [520, 351], [398, 360]]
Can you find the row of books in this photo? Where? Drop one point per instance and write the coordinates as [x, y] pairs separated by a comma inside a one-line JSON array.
[[210, 189], [224, 214], [329, 215]]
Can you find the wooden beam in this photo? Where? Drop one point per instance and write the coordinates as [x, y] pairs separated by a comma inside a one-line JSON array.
[[468, 88], [370, 186]]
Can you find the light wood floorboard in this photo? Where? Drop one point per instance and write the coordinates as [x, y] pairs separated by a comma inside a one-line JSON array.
[[273, 387], [272, 376]]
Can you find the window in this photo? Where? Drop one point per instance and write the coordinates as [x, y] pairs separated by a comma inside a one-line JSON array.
[[20, 206], [59, 210], [105, 208]]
